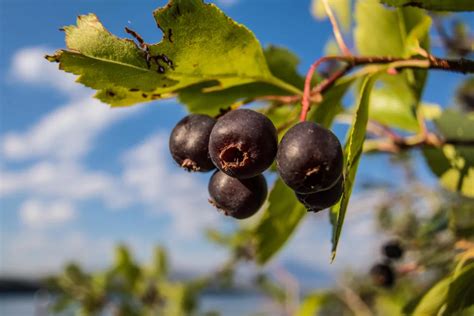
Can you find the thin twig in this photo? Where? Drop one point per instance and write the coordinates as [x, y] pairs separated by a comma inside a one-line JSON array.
[[336, 30]]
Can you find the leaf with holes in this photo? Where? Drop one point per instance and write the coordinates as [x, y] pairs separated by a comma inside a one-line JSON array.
[[199, 45]]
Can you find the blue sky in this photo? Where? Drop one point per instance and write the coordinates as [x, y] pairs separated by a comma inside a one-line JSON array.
[[76, 177]]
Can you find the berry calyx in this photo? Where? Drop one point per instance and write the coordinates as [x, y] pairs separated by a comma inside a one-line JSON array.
[[392, 250], [239, 198], [189, 142], [321, 200], [309, 158], [243, 143], [383, 275]]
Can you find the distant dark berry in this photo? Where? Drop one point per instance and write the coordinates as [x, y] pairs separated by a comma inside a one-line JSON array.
[[189, 142], [320, 200], [243, 143], [239, 198], [383, 275], [393, 250], [309, 158]]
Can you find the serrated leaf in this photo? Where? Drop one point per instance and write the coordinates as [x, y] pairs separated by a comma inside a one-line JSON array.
[[278, 222], [454, 164], [341, 8], [282, 64], [384, 32], [200, 44], [434, 5], [352, 154]]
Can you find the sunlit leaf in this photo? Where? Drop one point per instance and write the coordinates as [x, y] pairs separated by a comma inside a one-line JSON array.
[[454, 163], [311, 304], [387, 32], [123, 74]]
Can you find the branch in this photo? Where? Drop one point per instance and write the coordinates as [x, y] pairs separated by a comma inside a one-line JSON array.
[[458, 65]]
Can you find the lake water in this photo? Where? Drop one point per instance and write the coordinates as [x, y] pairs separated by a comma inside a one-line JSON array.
[[227, 305]]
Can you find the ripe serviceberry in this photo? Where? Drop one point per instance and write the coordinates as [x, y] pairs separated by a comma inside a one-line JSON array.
[[189, 142], [239, 198], [243, 143], [392, 250], [309, 158], [320, 200], [383, 275]]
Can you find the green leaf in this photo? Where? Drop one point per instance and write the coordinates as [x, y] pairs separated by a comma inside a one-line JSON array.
[[434, 5], [341, 8], [330, 106], [200, 44], [420, 31], [160, 262], [393, 104], [432, 302], [278, 222], [454, 164], [384, 32], [461, 291], [311, 304], [449, 295], [283, 65], [352, 153]]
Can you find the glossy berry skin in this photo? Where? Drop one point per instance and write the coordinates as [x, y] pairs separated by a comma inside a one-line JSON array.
[[189, 142], [309, 158], [392, 250], [383, 275], [320, 200], [243, 143], [239, 198]]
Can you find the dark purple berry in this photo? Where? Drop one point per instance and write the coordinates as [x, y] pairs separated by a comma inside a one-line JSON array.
[[243, 143], [189, 142], [382, 275], [392, 250], [239, 198], [309, 158], [320, 200]]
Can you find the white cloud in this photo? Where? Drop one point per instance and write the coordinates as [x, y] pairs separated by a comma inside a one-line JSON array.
[[227, 3], [39, 214], [167, 191], [359, 243], [33, 253], [29, 66], [67, 133]]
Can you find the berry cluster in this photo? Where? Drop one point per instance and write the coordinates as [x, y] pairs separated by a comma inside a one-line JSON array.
[[383, 274], [243, 143]]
